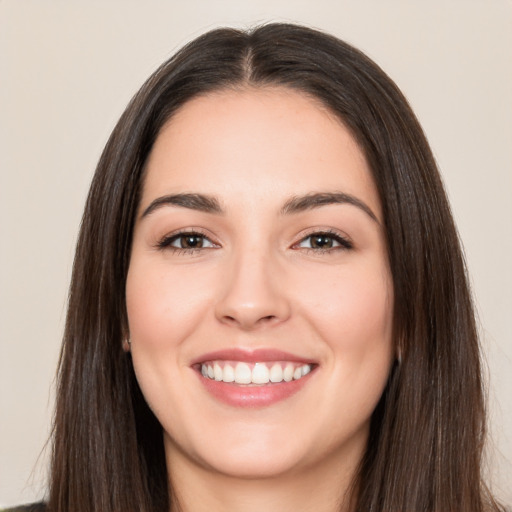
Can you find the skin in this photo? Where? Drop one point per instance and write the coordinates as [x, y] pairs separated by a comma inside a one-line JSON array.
[[257, 282]]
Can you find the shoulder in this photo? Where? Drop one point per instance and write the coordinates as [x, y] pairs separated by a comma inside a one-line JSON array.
[[33, 507]]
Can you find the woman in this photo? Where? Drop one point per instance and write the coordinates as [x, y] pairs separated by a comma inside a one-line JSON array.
[[269, 305]]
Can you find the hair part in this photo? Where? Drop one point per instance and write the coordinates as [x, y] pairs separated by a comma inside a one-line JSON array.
[[425, 446]]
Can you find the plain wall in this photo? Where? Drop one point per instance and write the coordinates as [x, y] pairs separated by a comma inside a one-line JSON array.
[[67, 69]]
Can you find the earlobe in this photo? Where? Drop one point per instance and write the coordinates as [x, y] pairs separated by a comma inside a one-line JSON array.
[[127, 345]]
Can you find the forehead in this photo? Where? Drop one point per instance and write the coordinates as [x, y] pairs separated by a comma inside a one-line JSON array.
[[257, 142]]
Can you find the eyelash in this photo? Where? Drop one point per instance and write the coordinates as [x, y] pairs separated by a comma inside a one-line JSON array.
[[166, 241], [344, 243]]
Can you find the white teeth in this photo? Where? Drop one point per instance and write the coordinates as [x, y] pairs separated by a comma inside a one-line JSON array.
[[260, 374], [217, 371], [254, 373], [243, 374], [228, 374], [288, 372], [276, 373]]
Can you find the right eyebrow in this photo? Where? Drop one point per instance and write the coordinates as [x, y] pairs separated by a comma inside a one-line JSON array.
[[200, 202]]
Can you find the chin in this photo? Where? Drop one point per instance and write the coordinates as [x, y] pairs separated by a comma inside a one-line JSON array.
[[253, 455], [256, 465]]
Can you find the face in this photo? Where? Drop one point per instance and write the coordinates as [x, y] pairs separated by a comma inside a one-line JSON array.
[[259, 296]]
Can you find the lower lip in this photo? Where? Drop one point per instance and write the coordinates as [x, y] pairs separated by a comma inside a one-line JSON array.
[[253, 395]]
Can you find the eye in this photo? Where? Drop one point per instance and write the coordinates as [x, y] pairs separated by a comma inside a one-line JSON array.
[[186, 241], [324, 241]]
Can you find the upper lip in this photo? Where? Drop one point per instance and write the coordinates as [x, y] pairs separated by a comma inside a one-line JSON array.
[[260, 355]]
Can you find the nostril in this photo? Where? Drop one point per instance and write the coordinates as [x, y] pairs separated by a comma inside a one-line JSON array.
[[248, 322]]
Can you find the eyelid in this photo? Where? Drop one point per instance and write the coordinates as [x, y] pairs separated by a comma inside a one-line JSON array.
[[345, 243], [164, 242]]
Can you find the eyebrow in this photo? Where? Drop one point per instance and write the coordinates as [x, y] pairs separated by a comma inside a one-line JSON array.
[[203, 203], [297, 204], [316, 200]]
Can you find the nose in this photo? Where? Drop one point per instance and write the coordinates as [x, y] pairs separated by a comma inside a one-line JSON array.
[[254, 294]]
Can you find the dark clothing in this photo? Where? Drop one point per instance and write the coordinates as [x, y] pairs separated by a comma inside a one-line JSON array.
[[33, 507]]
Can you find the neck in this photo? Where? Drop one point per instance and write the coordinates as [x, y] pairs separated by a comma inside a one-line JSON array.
[[322, 489]]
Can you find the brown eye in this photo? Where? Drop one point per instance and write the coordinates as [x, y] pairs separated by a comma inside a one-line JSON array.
[[321, 242], [189, 241], [325, 242], [186, 242]]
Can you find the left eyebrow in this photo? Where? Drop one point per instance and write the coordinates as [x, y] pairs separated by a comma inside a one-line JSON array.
[[299, 204]]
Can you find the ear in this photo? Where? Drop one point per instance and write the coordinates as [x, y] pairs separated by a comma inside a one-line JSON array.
[[399, 354], [127, 344]]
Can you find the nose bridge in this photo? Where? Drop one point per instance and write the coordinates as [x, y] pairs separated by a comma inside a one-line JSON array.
[[252, 295]]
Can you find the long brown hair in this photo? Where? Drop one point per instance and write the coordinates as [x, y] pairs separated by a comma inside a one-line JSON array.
[[425, 446]]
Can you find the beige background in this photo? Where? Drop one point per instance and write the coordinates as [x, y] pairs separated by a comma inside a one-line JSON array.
[[67, 69]]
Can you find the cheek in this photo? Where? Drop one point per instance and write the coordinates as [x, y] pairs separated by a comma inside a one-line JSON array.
[[163, 303], [363, 341], [352, 314], [365, 308], [357, 327]]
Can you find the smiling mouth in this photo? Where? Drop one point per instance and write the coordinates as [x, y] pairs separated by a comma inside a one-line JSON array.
[[254, 374]]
